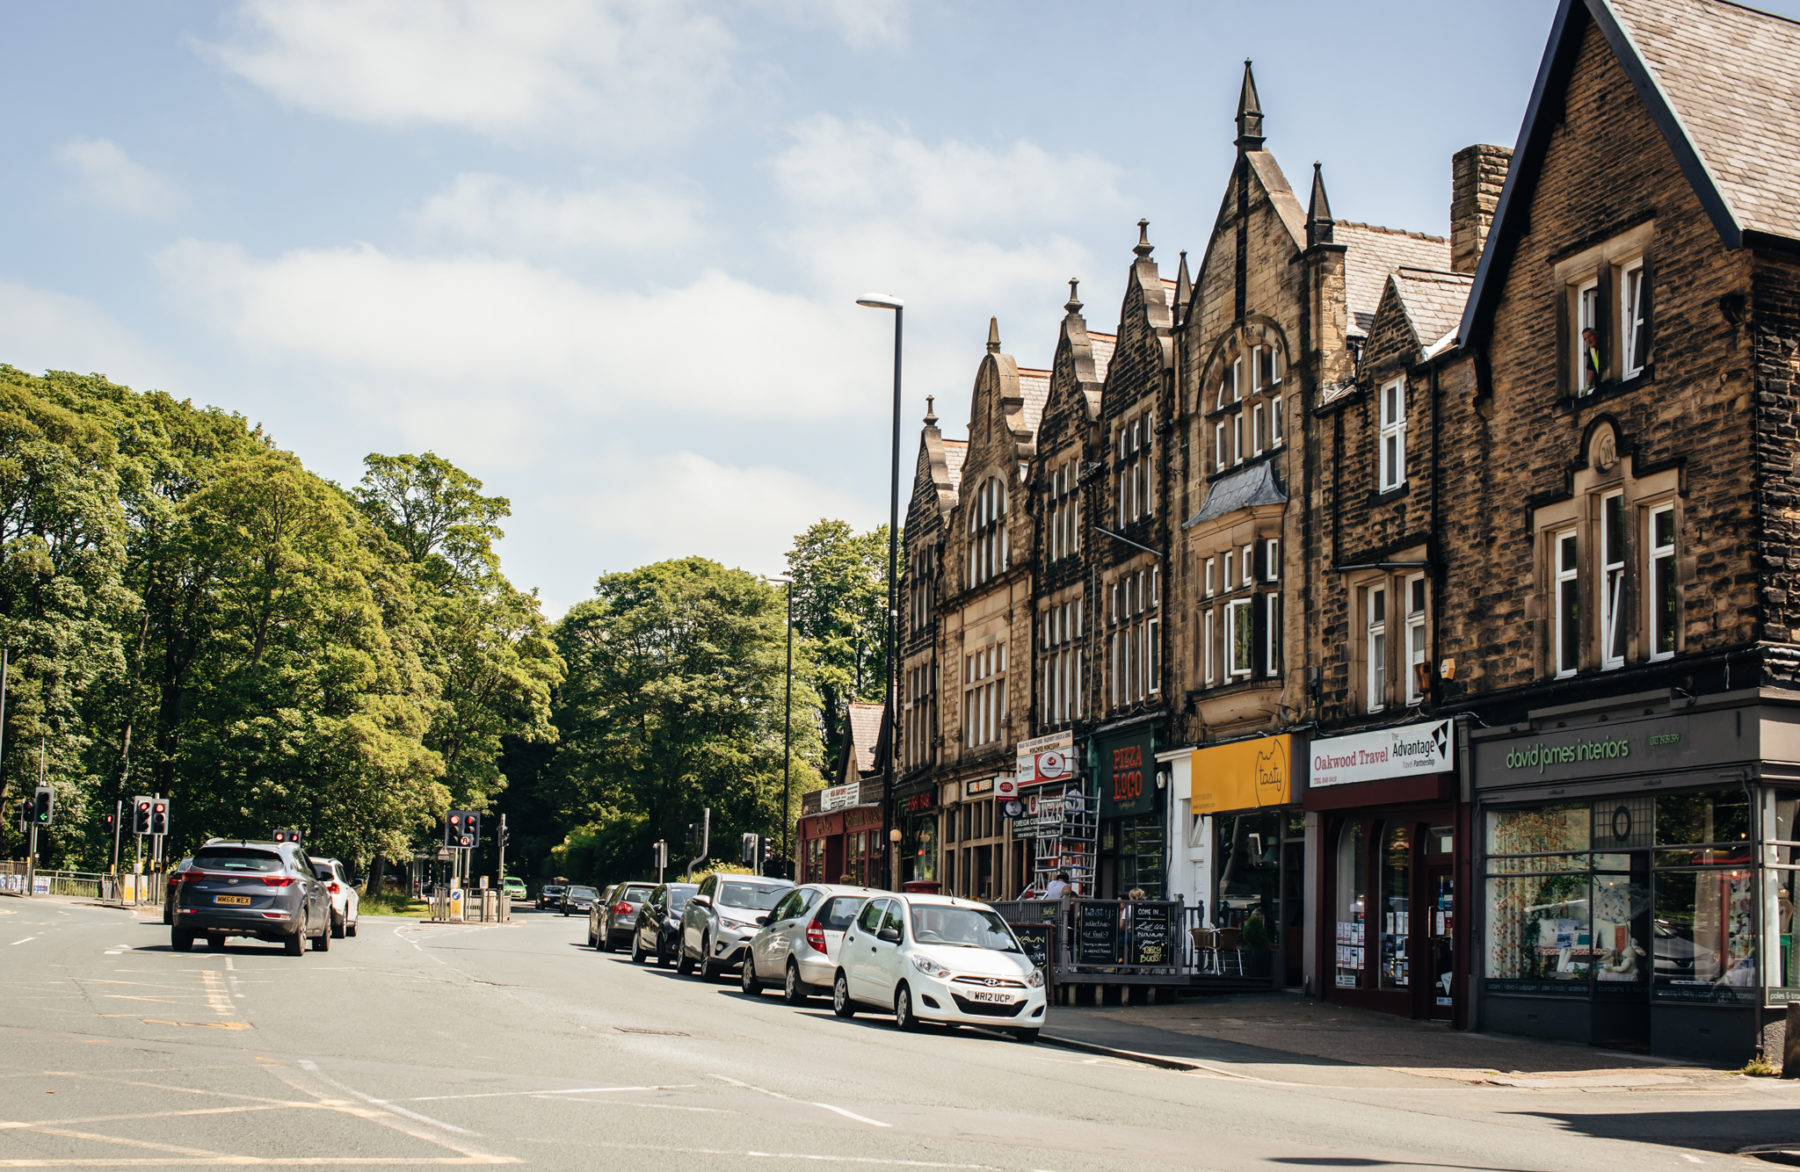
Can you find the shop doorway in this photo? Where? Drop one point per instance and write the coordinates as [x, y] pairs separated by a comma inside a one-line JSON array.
[[1440, 887]]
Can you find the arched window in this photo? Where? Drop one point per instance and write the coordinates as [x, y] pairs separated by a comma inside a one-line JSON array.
[[987, 531]]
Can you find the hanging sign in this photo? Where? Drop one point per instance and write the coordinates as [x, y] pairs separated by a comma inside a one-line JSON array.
[[1046, 759]]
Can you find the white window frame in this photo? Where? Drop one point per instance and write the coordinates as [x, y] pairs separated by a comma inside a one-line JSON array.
[[1238, 619], [1275, 422], [1631, 319], [1237, 438], [1206, 639], [1219, 446], [1237, 379], [1272, 559], [1393, 434], [1585, 317], [1249, 566], [1257, 427], [1415, 600], [1208, 577], [1611, 581], [1272, 633], [1660, 586], [1153, 656], [1375, 611], [1226, 582], [1565, 577]]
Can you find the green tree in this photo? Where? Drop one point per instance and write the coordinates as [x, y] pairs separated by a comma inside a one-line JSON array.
[[840, 603]]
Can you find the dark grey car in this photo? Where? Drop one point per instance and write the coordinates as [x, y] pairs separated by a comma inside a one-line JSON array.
[[658, 929], [617, 915], [261, 889]]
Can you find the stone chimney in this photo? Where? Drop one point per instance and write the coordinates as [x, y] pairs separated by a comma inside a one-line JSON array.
[[1477, 174]]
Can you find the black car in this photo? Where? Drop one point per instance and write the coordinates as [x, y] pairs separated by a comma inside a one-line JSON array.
[[658, 929], [261, 889]]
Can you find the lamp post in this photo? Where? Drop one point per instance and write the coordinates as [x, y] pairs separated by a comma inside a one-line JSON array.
[[888, 301], [787, 730]]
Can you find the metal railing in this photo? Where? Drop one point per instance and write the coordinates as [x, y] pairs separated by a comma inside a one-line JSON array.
[[17, 878]]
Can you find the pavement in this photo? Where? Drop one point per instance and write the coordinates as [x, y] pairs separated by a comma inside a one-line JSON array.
[[1291, 1038]]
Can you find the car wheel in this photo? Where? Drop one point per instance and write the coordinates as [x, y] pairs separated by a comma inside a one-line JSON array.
[[322, 942], [168, 912], [841, 1004], [216, 943], [180, 940], [663, 959], [605, 943], [350, 928], [747, 982], [296, 944], [337, 927], [708, 970], [1025, 1035], [793, 990], [565, 909], [903, 1010], [683, 963], [637, 949]]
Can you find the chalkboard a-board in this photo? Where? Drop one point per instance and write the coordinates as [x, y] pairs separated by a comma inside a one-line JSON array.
[[1152, 926], [1038, 941], [1097, 934]]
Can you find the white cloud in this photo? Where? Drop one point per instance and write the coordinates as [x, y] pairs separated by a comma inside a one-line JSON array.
[[628, 71], [862, 24], [858, 168], [495, 211], [107, 177], [506, 329], [41, 330]]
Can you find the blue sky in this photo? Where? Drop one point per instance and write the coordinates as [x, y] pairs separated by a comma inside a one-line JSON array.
[[603, 254]]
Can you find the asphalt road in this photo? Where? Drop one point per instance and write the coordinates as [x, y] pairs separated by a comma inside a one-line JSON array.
[[417, 1045]]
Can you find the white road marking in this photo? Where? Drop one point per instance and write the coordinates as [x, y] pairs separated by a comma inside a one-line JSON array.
[[114, 951], [570, 1091], [824, 1106], [810, 1157], [16, 943], [312, 1069]]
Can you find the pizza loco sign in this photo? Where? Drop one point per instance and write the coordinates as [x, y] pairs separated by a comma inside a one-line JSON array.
[[1412, 750], [1127, 777]]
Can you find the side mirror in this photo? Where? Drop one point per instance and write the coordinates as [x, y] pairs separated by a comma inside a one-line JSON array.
[[891, 935], [762, 919], [700, 900]]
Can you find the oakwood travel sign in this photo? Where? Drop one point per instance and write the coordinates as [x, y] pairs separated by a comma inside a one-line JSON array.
[[1408, 750]]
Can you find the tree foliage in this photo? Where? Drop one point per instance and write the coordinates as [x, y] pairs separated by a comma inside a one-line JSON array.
[[840, 600]]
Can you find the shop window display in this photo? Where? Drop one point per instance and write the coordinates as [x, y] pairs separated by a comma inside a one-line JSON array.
[[1249, 851], [1396, 886], [1352, 865]]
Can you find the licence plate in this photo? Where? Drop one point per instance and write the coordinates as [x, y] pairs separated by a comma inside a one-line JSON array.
[[995, 998], [239, 899]]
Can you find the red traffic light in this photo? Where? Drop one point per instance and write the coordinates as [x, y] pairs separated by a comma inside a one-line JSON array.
[[160, 808]]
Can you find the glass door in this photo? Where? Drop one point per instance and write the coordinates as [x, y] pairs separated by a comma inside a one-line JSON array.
[[1440, 885]]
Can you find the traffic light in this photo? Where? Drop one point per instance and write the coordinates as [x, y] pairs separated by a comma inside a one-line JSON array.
[[472, 827], [159, 816], [287, 835], [461, 829], [140, 814], [452, 827], [752, 847], [693, 836], [659, 855], [45, 806], [24, 813], [504, 837], [110, 821]]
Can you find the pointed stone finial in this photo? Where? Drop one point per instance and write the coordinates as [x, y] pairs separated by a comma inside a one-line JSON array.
[[1184, 287], [1318, 212], [1249, 115], [930, 411], [993, 335], [1074, 303], [1143, 248]]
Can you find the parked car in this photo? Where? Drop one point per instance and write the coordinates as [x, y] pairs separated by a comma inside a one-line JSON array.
[[720, 918], [657, 930], [346, 904], [550, 896], [593, 941], [798, 948], [263, 889], [937, 958], [169, 890], [513, 887], [615, 916], [578, 898]]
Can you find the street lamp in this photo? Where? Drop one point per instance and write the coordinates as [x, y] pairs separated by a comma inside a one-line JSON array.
[[787, 731], [888, 301]]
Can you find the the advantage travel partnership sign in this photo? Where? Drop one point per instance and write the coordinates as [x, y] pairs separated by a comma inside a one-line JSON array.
[[1411, 750]]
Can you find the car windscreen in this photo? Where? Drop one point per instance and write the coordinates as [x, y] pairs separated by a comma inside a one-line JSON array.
[[965, 926], [636, 894], [583, 892], [237, 858], [750, 895], [678, 896], [323, 871], [840, 913]]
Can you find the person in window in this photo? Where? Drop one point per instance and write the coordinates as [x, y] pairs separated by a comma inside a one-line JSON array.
[[1590, 359]]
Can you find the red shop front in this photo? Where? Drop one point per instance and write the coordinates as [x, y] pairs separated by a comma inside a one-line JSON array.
[[843, 846]]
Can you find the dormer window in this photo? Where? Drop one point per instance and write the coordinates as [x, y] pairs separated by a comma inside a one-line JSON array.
[[1607, 313]]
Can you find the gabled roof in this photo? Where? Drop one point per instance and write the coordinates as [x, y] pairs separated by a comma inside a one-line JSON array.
[[1433, 301], [864, 725], [1244, 489], [955, 452], [1721, 82], [1102, 346], [1034, 392], [1373, 253]]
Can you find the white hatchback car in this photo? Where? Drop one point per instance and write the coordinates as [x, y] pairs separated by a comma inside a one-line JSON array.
[[346, 904], [798, 948], [936, 958]]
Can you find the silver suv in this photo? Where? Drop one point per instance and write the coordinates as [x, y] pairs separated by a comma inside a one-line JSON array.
[[798, 948], [720, 919]]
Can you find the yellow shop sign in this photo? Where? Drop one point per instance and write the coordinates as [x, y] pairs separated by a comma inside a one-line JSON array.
[[1244, 775]]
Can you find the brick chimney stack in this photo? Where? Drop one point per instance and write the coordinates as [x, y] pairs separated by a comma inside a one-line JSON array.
[[1477, 174]]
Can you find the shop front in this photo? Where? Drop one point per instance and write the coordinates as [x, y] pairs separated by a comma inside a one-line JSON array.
[[1393, 839], [1244, 797], [916, 814], [841, 842], [1638, 875], [1132, 852]]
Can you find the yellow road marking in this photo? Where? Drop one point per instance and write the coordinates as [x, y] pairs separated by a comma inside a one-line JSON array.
[[202, 1025]]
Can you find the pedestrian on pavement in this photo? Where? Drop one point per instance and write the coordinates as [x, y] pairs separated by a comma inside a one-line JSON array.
[[1058, 888]]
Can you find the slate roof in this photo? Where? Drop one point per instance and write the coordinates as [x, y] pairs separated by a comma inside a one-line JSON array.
[[955, 452], [1034, 389], [1433, 301], [1244, 489], [1103, 346], [865, 733], [1371, 254], [1731, 77]]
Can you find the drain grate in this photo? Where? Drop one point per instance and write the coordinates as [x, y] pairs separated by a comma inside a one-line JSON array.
[[653, 1033]]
